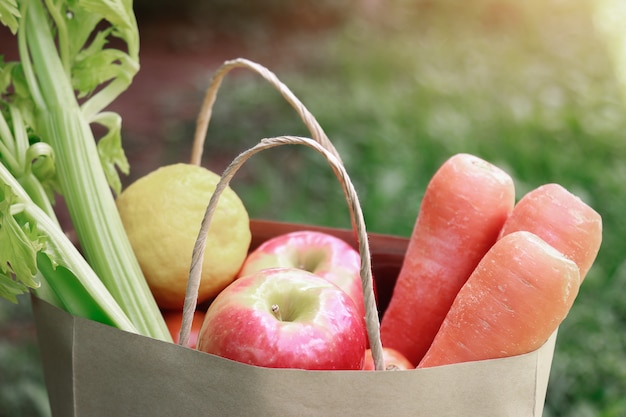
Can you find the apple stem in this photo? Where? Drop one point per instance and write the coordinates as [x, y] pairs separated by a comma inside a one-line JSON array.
[[276, 311]]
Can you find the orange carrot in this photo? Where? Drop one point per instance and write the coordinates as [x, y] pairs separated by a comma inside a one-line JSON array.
[[516, 298], [561, 219], [461, 214]]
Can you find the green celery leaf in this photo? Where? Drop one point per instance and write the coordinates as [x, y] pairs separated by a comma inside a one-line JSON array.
[[86, 14], [20, 242], [120, 14], [92, 70], [80, 26], [10, 14], [110, 149], [12, 75], [5, 75], [10, 288], [17, 78]]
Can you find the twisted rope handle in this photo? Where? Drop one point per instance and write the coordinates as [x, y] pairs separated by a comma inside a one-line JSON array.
[[202, 122], [358, 223]]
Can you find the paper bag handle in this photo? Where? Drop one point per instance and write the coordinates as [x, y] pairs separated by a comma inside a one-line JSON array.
[[358, 224], [204, 116]]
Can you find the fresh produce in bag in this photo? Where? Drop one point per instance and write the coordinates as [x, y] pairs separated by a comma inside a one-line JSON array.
[[106, 346]]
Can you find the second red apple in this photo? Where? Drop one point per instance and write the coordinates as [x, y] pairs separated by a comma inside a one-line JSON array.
[[320, 253]]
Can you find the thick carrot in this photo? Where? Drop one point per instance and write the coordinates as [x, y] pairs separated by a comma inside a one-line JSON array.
[[465, 205], [516, 298], [561, 219]]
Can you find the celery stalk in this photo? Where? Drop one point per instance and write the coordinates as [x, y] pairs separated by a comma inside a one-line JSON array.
[[90, 202], [64, 80], [70, 282]]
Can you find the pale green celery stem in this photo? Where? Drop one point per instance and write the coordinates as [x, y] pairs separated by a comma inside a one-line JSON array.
[[73, 261], [89, 199], [9, 160], [17, 146], [20, 135], [71, 258], [96, 220], [7, 144], [36, 192], [59, 22], [12, 147]]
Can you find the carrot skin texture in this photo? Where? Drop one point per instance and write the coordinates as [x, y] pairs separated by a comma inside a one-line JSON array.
[[561, 219], [465, 205], [516, 298]]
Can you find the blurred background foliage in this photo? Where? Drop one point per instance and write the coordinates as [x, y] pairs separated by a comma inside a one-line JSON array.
[[400, 86]]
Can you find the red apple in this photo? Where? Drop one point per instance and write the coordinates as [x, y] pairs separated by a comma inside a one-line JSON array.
[[320, 253], [285, 318], [174, 320], [393, 359]]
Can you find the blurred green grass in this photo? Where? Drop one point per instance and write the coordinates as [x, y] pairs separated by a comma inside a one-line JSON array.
[[528, 86]]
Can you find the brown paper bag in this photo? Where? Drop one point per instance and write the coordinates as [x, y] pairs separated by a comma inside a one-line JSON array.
[[93, 370]]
